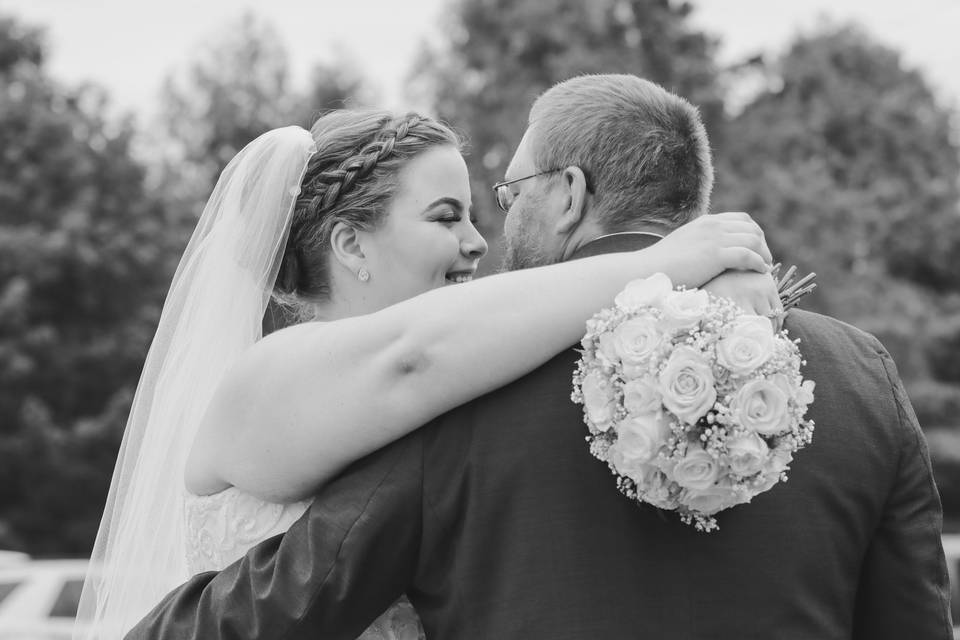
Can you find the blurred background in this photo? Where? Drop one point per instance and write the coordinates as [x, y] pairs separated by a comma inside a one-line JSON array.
[[835, 123]]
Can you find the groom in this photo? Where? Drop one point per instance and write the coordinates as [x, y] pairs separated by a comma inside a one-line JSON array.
[[498, 523]]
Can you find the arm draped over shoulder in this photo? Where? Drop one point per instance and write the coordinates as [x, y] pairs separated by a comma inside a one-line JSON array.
[[348, 558]]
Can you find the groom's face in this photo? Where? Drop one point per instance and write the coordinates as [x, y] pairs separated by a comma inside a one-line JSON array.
[[530, 239]]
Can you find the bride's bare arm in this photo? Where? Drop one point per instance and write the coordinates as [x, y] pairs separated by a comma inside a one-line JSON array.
[[308, 400]]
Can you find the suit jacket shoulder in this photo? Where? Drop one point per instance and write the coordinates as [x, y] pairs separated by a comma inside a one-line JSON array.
[[520, 520]]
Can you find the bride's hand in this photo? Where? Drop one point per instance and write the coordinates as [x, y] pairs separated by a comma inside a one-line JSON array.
[[698, 251], [753, 292]]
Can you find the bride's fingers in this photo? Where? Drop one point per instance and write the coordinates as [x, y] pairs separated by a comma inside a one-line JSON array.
[[740, 216], [738, 222], [748, 240], [769, 306], [765, 249], [738, 226], [740, 257], [765, 252]]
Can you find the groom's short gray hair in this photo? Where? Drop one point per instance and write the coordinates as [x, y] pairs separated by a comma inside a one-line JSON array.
[[643, 149]]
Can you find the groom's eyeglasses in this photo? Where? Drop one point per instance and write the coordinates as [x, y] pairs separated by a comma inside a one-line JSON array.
[[505, 196]]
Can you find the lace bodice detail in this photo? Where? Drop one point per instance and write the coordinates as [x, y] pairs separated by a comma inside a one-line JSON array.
[[222, 527]]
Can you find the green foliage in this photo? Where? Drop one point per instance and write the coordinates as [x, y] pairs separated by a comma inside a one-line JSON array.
[[945, 455], [83, 262], [334, 86], [943, 350], [86, 256], [937, 404], [846, 156], [237, 88], [20, 45]]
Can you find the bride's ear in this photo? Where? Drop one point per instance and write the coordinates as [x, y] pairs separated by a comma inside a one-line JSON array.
[[346, 247], [575, 194]]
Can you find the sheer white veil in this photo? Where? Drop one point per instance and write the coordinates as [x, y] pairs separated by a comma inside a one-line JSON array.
[[213, 312]]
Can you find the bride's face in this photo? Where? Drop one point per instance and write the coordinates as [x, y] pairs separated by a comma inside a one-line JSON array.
[[428, 238]]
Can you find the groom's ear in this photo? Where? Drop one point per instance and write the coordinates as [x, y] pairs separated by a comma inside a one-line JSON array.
[[345, 245], [574, 193]]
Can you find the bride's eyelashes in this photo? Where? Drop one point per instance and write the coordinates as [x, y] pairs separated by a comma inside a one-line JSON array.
[[445, 210], [448, 216], [451, 216]]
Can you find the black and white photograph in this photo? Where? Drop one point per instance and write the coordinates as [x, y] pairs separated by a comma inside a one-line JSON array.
[[479, 320]]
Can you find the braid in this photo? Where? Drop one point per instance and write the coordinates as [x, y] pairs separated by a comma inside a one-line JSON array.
[[350, 180], [328, 186]]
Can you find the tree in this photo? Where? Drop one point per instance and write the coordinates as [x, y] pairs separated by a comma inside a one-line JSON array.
[[86, 255], [83, 264], [501, 54], [334, 85], [847, 157], [238, 88]]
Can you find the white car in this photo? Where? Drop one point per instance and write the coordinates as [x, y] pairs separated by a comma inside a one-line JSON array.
[[951, 548], [38, 598], [12, 557]]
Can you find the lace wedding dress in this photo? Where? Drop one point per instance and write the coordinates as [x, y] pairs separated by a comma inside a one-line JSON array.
[[222, 527]]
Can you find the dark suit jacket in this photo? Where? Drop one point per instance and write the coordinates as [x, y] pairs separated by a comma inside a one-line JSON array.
[[498, 523]]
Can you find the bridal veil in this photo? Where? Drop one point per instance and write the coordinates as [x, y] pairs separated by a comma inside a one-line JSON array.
[[213, 312]]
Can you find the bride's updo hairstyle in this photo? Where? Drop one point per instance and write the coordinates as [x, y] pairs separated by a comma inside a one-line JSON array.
[[351, 178]]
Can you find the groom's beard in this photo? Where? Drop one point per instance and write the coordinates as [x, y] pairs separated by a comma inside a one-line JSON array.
[[522, 251]]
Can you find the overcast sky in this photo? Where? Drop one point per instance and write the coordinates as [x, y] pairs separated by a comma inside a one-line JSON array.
[[130, 45]]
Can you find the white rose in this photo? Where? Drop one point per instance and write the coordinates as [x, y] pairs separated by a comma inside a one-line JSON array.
[[636, 341], [747, 454], [626, 465], [761, 406], [748, 345], [711, 500], [666, 465], [656, 488], [641, 396], [608, 348], [782, 382], [640, 438], [697, 470], [683, 309], [777, 462], [686, 385], [646, 292], [598, 400], [804, 395]]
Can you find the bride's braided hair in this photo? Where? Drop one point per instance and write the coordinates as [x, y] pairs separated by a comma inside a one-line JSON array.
[[350, 179]]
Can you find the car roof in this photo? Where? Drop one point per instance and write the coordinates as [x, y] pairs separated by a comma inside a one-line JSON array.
[[951, 544], [12, 557], [43, 567]]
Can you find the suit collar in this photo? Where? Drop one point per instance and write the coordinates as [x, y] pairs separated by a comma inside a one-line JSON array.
[[616, 243]]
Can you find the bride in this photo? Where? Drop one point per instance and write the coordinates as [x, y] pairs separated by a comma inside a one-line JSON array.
[[358, 234]]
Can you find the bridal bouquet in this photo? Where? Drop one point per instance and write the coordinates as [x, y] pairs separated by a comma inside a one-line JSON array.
[[695, 405]]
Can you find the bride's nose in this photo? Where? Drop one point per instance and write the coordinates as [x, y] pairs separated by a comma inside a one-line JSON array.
[[472, 244]]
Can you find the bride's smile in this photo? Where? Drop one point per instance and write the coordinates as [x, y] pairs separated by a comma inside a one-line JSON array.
[[459, 277]]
